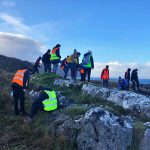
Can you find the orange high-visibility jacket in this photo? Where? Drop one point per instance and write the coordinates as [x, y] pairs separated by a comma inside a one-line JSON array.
[[105, 74], [18, 77]]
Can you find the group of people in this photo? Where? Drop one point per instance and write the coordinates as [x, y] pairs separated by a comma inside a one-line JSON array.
[[124, 84], [46, 99]]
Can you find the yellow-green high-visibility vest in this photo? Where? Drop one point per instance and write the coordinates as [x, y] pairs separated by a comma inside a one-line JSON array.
[[89, 65], [50, 103]]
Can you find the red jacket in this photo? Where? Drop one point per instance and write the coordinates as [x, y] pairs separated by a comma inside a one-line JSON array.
[[105, 74]]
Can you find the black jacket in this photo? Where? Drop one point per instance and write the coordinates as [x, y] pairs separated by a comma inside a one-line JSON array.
[[43, 95], [134, 76], [127, 75], [46, 58]]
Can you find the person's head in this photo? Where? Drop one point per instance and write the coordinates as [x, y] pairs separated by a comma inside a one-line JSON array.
[[90, 52], [48, 51], [136, 70], [75, 50], [40, 58], [107, 67], [119, 78], [58, 46], [67, 56], [128, 69]]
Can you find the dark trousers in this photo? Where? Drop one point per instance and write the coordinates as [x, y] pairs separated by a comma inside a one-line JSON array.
[[105, 82], [82, 76], [18, 95], [87, 71], [35, 69], [72, 67], [128, 84], [135, 84], [47, 67], [36, 105], [66, 69]]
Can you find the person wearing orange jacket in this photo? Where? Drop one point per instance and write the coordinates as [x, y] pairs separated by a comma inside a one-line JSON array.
[[20, 82], [105, 76]]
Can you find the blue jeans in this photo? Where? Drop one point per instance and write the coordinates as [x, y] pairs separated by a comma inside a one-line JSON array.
[[55, 66]]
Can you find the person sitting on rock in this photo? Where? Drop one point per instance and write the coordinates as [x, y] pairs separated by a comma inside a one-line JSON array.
[[46, 100], [122, 84]]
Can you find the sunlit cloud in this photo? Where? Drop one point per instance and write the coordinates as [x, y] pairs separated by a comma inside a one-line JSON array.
[[19, 46]]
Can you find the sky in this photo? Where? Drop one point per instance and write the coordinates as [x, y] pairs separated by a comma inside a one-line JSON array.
[[117, 31]]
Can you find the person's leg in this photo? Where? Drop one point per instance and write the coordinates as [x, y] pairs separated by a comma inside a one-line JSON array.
[[89, 74], [66, 69], [49, 68], [45, 70], [85, 72], [106, 82], [22, 101], [56, 67], [16, 97], [36, 105], [133, 86], [137, 84]]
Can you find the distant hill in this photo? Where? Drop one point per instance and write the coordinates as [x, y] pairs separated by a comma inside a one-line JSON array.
[[12, 64]]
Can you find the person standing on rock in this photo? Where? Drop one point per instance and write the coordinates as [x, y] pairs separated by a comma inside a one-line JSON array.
[[87, 64], [20, 83], [55, 57], [127, 77], [36, 66], [73, 63], [135, 79], [45, 100], [105, 76], [46, 61], [64, 66]]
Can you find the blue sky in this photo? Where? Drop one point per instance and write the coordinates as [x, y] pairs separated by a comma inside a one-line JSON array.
[[117, 31]]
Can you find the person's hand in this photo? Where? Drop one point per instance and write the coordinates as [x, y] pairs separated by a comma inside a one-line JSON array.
[[24, 90]]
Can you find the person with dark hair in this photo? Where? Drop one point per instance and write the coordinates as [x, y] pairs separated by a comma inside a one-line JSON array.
[[55, 57], [64, 66], [135, 79], [46, 61], [20, 83], [87, 64], [127, 77], [36, 66], [45, 101], [105, 75]]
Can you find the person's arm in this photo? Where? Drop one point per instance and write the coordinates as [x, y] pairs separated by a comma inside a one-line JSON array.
[[92, 62], [102, 74], [58, 53], [42, 96], [26, 79]]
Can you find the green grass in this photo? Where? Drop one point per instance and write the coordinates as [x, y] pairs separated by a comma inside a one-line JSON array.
[[15, 134]]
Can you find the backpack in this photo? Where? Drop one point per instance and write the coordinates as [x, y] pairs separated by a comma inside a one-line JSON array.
[[85, 60]]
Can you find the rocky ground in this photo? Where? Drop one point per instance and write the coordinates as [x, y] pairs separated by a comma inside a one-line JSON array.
[[89, 117]]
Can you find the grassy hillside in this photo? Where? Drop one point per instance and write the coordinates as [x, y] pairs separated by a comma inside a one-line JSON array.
[[12, 64], [15, 134]]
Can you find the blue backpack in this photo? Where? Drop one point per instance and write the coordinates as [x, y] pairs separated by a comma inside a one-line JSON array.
[[85, 60]]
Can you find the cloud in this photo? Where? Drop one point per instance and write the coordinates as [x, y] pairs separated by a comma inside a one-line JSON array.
[[8, 3], [15, 22], [118, 69], [19, 46]]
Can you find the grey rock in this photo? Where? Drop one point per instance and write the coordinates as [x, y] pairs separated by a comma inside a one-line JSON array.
[[145, 143], [126, 99], [101, 130]]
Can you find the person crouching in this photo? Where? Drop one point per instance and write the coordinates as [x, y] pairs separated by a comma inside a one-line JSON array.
[[46, 101]]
